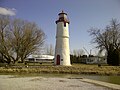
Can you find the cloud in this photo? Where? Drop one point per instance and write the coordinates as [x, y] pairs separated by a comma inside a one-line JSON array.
[[7, 11]]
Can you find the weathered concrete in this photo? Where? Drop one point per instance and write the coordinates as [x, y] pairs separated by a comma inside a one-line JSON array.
[[11, 82], [109, 85]]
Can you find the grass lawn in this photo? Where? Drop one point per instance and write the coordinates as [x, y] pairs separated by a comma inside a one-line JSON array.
[[50, 68]]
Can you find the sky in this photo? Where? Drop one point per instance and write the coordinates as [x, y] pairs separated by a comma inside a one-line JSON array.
[[82, 14]]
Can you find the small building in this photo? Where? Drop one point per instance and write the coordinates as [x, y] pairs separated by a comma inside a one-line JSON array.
[[40, 58], [93, 60]]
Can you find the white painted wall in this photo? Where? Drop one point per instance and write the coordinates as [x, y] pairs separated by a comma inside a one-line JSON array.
[[62, 44]]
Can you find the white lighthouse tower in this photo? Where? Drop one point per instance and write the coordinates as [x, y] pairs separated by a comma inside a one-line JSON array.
[[62, 51]]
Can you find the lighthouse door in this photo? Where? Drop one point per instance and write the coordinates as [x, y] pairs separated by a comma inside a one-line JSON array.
[[58, 60]]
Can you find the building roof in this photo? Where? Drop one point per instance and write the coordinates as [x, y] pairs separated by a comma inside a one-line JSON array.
[[41, 56]]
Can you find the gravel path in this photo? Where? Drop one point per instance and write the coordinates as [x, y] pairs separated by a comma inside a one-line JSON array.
[[11, 82]]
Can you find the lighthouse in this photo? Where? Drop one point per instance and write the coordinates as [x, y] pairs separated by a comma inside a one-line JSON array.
[[62, 51]]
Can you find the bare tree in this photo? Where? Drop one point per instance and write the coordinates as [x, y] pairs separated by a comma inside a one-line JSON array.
[[19, 39], [78, 52], [108, 39], [49, 49], [27, 38], [4, 44]]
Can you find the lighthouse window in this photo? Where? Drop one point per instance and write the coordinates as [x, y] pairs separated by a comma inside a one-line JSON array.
[[61, 59], [64, 24]]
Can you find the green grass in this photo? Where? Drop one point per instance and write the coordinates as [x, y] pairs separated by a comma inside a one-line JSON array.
[[74, 69]]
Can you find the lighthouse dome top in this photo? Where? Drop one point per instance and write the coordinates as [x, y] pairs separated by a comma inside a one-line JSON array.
[[62, 13]]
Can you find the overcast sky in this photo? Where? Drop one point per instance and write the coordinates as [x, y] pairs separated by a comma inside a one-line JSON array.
[[83, 14]]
